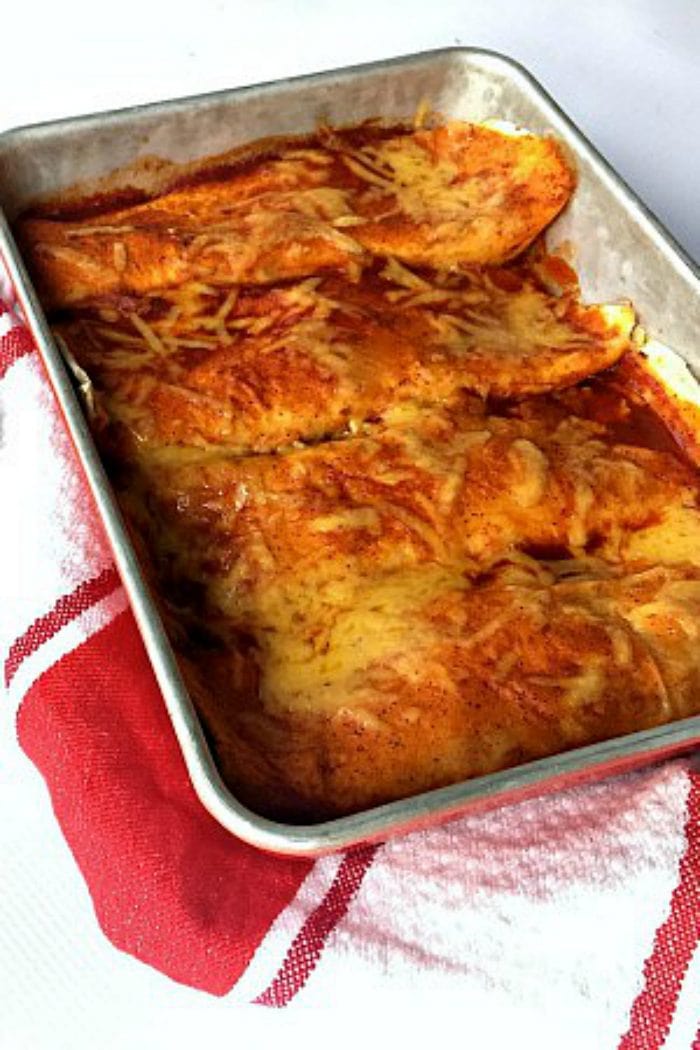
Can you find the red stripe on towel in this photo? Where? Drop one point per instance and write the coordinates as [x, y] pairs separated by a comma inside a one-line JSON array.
[[14, 345], [66, 609], [307, 946], [674, 944], [169, 884]]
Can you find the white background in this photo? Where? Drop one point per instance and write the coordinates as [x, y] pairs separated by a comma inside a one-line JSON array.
[[627, 72]]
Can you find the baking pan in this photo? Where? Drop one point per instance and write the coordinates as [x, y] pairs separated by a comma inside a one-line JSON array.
[[619, 250]]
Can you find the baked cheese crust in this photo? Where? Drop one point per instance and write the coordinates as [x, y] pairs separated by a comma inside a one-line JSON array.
[[455, 194], [410, 512]]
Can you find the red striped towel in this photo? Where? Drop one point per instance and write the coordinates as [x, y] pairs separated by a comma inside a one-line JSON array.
[[575, 918]]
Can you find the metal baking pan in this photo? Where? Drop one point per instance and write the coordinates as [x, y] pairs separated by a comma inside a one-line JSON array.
[[620, 251]]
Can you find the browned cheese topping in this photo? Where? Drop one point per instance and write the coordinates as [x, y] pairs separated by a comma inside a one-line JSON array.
[[408, 505]]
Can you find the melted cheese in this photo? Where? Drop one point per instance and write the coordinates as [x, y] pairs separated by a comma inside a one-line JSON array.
[[535, 469], [378, 574], [317, 657], [426, 184], [464, 193], [673, 540]]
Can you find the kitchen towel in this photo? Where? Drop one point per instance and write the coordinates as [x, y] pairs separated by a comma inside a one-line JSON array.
[[575, 917]]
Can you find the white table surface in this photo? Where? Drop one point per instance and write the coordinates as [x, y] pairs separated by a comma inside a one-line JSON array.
[[627, 71]]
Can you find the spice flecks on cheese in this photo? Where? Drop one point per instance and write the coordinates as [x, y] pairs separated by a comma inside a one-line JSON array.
[[414, 512]]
